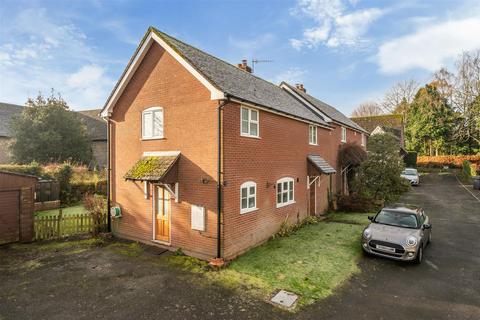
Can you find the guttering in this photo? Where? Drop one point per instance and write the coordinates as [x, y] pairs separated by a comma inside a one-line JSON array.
[[219, 175]]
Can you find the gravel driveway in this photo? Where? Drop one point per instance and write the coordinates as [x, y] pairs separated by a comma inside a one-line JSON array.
[[97, 283]]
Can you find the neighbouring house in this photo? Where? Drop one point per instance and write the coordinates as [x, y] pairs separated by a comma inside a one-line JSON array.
[[96, 127], [16, 207], [391, 123], [209, 158]]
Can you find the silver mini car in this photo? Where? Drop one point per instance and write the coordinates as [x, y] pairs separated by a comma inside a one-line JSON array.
[[399, 232], [411, 175]]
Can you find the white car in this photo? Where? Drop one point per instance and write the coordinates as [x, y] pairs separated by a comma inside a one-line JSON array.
[[411, 175]]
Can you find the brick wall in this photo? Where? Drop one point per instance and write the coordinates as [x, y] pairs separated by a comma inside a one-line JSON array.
[[190, 126]]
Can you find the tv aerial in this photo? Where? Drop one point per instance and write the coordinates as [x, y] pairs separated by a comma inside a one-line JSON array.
[[255, 61]]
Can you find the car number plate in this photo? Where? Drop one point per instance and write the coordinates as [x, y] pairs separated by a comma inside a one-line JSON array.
[[383, 248]]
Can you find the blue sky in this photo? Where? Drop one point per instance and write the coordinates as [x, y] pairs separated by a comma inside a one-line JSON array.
[[344, 51]]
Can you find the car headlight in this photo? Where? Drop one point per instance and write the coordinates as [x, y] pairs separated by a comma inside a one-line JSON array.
[[411, 241], [367, 234]]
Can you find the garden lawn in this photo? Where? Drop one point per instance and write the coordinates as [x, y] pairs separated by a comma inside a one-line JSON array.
[[312, 262], [79, 209]]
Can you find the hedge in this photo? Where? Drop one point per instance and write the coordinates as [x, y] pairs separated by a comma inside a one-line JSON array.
[[451, 161]]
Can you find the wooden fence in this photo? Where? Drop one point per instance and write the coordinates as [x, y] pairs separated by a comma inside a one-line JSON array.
[[58, 226], [47, 190]]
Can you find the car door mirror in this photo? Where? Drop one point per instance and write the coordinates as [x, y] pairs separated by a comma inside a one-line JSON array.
[[371, 218], [427, 226]]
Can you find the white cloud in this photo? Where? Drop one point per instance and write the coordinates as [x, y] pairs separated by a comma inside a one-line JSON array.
[[40, 52], [291, 75], [429, 47], [335, 26]]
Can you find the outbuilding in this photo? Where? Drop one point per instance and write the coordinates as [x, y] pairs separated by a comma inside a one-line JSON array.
[[17, 198]]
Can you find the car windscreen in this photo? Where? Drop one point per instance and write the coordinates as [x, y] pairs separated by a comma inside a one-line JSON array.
[[408, 172], [398, 219]]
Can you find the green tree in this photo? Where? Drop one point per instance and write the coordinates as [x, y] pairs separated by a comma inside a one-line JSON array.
[[47, 131], [431, 122], [378, 177]]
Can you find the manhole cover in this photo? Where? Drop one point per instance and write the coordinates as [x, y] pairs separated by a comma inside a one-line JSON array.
[[285, 299]]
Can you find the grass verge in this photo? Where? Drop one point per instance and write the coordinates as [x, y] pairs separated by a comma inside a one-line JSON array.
[[312, 262]]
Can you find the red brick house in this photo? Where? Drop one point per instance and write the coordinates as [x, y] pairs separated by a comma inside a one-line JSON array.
[[207, 157]]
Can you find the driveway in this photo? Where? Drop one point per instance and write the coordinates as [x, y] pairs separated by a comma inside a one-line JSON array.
[[445, 286], [116, 283]]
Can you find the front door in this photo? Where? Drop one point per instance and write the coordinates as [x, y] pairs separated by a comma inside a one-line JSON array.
[[313, 198], [162, 227]]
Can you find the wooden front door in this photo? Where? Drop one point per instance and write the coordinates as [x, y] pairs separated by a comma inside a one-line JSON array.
[[162, 227]]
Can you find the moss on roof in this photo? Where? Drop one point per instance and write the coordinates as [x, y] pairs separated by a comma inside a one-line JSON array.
[[151, 168]]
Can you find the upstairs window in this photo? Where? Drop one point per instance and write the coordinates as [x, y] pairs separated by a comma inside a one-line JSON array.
[[312, 135], [344, 134], [248, 197], [152, 123], [284, 192], [249, 122]]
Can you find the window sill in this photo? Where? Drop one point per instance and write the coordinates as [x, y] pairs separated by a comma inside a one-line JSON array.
[[280, 205], [313, 144], [249, 136], [248, 210], [343, 141], [146, 139]]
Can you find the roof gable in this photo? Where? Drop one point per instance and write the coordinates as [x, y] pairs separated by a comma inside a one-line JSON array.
[[223, 79], [330, 113]]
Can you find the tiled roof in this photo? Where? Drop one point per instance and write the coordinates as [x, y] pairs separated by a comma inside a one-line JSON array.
[[385, 120], [7, 112], [327, 109], [321, 164], [239, 83], [152, 168], [96, 126]]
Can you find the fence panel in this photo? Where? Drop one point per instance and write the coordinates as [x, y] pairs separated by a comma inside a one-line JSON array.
[[59, 226], [47, 190]]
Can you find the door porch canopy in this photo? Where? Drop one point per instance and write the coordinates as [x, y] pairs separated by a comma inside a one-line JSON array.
[[157, 169]]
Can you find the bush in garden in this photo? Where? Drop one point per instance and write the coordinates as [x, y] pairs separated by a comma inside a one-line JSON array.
[[378, 177], [357, 203], [63, 176], [410, 159], [96, 206]]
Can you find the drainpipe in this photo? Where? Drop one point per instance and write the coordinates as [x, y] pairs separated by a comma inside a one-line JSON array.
[[109, 218], [219, 176]]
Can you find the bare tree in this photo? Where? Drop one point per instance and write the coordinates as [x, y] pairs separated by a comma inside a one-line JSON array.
[[444, 81], [369, 108], [466, 94], [399, 96]]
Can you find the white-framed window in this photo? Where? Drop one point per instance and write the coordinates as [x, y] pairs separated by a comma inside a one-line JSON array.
[[248, 197], [152, 123], [248, 122], [344, 134], [312, 134], [285, 192], [364, 140]]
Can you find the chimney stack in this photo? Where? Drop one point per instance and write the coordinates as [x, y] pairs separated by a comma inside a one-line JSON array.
[[300, 87], [244, 66]]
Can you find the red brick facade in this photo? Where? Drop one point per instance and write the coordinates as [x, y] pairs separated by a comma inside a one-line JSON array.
[[190, 126]]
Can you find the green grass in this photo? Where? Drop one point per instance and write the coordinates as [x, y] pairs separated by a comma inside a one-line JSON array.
[[312, 262], [348, 217], [78, 209]]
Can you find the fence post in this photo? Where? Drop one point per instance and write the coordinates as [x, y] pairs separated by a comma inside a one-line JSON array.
[[59, 221]]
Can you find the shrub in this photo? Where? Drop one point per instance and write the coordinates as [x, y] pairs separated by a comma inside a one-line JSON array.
[[410, 159], [33, 169], [357, 203], [469, 169], [63, 176], [449, 160], [96, 206], [287, 229], [379, 176]]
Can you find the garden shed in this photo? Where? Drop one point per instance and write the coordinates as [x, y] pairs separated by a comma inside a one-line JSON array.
[[17, 197]]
